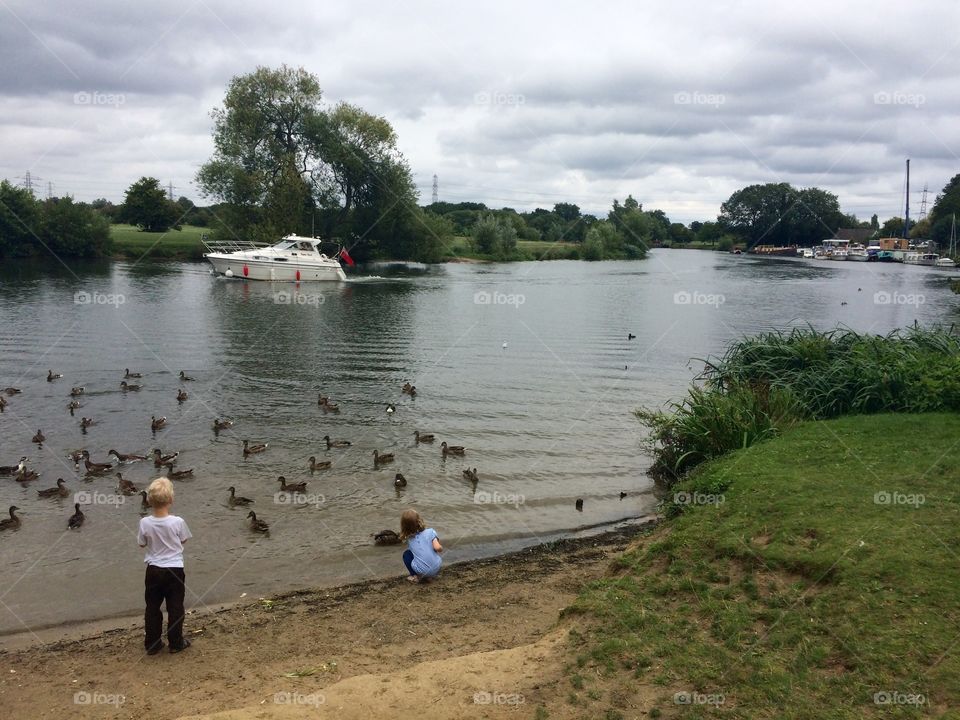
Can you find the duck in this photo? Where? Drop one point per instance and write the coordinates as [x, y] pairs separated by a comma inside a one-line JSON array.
[[125, 386], [73, 405], [181, 395], [249, 449], [12, 522], [24, 475], [86, 422], [322, 399], [51, 376], [622, 494], [631, 336], [178, 474], [256, 524], [399, 481], [159, 459], [386, 537], [92, 467], [144, 501], [77, 391], [127, 374], [409, 389], [579, 504], [59, 491], [336, 443], [422, 437], [391, 409], [294, 488], [11, 469], [185, 378], [125, 487], [219, 424], [452, 449], [330, 407], [234, 499], [379, 459], [76, 456], [3, 403], [76, 520], [471, 475], [38, 438], [11, 391], [157, 423], [314, 465], [124, 458]]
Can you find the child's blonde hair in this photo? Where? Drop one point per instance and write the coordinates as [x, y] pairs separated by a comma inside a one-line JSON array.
[[410, 524], [160, 492]]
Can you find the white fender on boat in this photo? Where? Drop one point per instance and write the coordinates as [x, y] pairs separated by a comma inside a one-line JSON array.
[[228, 273]]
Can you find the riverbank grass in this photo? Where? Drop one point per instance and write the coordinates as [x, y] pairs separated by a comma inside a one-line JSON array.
[[130, 242], [812, 575]]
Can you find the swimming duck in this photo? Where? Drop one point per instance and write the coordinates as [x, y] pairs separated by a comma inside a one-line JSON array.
[[157, 423], [219, 424], [3, 403], [336, 443], [10, 391], [38, 438], [86, 422], [386, 537], [579, 504], [76, 520], [314, 465], [409, 389], [125, 487], [77, 391], [181, 396], [391, 409], [124, 458], [76, 456], [51, 376], [399, 481], [330, 407], [178, 474], [59, 491], [322, 399], [185, 378], [379, 459], [422, 437], [294, 488], [631, 336], [127, 374], [159, 460], [249, 449], [471, 475], [24, 475], [144, 502], [92, 467], [256, 524], [129, 386], [11, 469], [12, 522], [452, 449], [73, 405], [622, 494], [235, 500]]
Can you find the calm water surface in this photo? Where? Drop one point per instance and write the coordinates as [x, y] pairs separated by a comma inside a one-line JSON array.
[[540, 384]]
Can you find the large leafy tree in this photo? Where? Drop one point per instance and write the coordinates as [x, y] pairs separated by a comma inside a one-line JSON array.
[[146, 205], [944, 209], [778, 214]]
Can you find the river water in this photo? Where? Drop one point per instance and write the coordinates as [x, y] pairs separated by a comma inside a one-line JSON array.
[[528, 365]]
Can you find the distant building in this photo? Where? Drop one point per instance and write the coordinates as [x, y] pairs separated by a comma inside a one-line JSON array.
[[894, 243]]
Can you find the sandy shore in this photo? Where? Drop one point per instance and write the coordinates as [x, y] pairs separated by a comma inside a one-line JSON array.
[[479, 641]]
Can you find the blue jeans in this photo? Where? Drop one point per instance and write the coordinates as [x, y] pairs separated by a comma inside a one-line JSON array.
[[408, 561]]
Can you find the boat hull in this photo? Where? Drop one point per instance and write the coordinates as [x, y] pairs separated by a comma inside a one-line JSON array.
[[273, 271]]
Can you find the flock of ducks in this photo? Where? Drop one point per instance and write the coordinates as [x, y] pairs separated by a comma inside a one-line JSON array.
[[161, 461]]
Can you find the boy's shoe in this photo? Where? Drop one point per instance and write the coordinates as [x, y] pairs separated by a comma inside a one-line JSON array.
[[156, 648], [178, 648]]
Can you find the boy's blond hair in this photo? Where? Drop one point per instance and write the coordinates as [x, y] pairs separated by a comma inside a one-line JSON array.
[[160, 492]]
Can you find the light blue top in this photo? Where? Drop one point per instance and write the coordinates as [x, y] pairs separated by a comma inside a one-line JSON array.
[[426, 560]]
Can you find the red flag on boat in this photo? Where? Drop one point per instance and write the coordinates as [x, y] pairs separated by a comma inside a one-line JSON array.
[[346, 257]]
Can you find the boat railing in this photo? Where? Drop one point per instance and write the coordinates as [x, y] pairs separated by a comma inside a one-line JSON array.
[[231, 246]]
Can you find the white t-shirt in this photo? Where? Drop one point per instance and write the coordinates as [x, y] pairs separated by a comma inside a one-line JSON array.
[[164, 538]]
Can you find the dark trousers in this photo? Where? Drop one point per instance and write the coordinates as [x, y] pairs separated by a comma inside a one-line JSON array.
[[408, 561], [163, 584]]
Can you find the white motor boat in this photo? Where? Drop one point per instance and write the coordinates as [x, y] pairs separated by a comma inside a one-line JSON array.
[[293, 259], [928, 259], [857, 254], [911, 258], [945, 262], [808, 253]]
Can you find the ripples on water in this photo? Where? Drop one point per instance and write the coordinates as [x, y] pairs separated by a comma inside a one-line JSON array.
[[547, 418]]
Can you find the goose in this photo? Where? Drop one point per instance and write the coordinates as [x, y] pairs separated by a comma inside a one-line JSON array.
[[24, 475], [12, 522], [125, 487], [159, 460], [77, 391], [76, 520], [59, 491], [386, 537], [471, 475], [51, 376], [124, 458], [144, 502], [422, 437], [157, 423], [579, 504], [178, 474], [11, 469], [219, 424], [129, 386], [86, 422], [399, 481], [256, 524], [181, 395], [294, 488], [235, 500], [379, 459], [391, 409], [184, 377], [314, 465], [336, 443], [452, 449], [127, 374], [10, 391], [38, 438], [92, 467], [249, 449]]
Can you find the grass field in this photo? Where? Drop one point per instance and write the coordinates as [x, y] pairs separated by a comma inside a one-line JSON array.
[[129, 241], [810, 576], [526, 250]]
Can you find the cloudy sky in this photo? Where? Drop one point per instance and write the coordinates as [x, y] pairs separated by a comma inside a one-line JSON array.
[[518, 104]]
